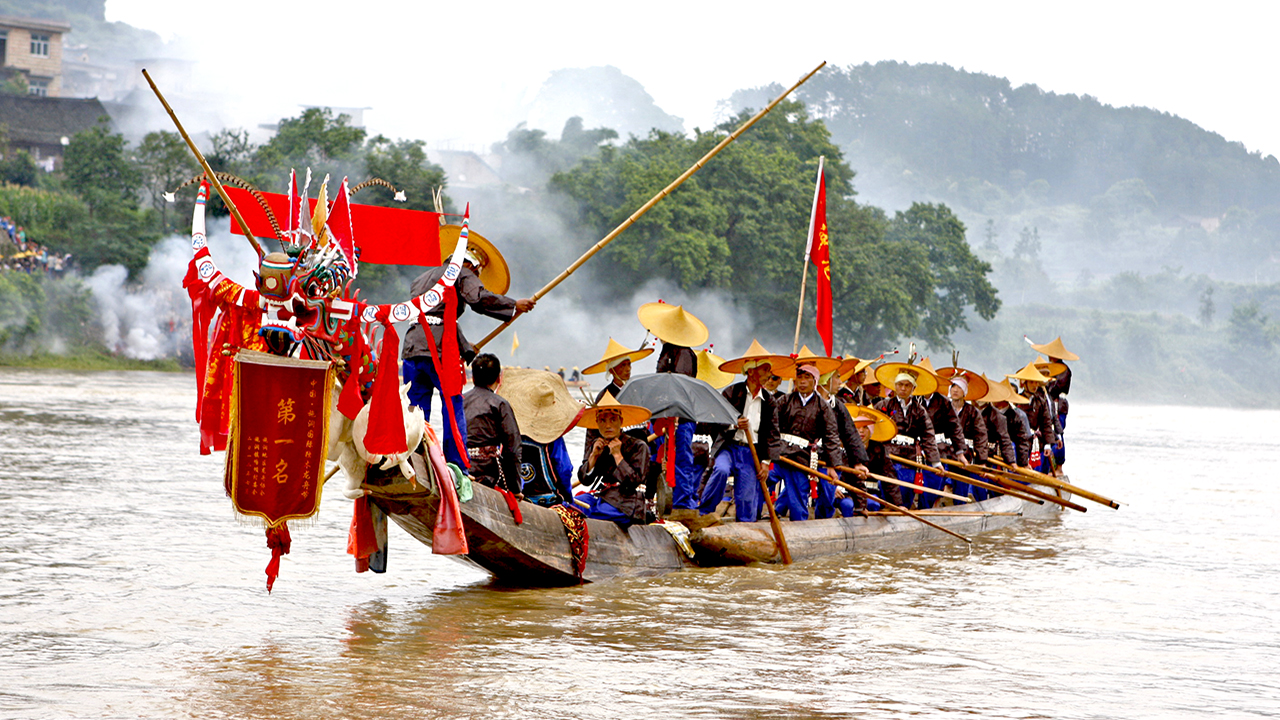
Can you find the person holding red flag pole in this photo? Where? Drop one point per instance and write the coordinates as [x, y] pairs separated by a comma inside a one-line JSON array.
[[817, 250]]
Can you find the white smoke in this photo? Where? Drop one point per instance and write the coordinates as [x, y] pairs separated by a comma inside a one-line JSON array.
[[151, 319]]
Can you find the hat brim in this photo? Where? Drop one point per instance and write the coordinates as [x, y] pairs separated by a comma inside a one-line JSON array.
[[884, 429], [495, 275], [823, 364], [672, 324], [776, 362], [978, 387], [1052, 369], [603, 365], [926, 382], [540, 422], [631, 415], [1055, 350]]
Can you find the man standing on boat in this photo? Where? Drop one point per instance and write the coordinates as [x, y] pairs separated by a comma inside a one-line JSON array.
[[679, 331], [947, 437], [1040, 415], [964, 386], [807, 428], [615, 464], [999, 444], [479, 286], [915, 438], [493, 435], [616, 361], [730, 453], [1058, 387]]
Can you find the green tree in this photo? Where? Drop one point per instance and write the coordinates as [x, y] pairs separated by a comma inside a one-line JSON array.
[[402, 163], [315, 139], [17, 168], [99, 171], [165, 161], [529, 158]]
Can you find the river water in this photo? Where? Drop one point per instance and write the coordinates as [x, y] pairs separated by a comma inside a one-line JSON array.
[[129, 589]]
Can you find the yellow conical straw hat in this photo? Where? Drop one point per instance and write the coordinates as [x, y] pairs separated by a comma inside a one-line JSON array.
[[672, 324], [852, 365], [755, 354], [1012, 395], [995, 391], [1056, 350], [1029, 374], [924, 363], [631, 414], [926, 382], [616, 351], [542, 405], [493, 272], [709, 370], [1052, 369], [807, 357], [977, 383], [884, 428]]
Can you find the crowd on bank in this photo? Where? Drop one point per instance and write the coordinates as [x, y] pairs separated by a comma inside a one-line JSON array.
[[848, 436], [20, 254]]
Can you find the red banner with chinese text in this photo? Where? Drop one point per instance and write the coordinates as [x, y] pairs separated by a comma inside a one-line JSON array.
[[279, 436], [820, 256]]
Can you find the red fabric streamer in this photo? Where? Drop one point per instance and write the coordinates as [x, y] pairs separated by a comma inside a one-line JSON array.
[[450, 370], [362, 540], [349, 401], [820, 256], [279, 541], [512, 504], [386, 414], [666, 427], [448, 537]]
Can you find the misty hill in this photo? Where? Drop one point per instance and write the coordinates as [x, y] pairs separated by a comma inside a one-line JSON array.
[[926, 127], [601, 97]]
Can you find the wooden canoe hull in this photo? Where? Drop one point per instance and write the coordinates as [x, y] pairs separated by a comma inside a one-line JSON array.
[[741, 543], [536, 551]]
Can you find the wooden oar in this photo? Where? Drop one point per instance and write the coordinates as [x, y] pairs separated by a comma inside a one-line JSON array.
[[1022, 492], [778, 537], [896, 481], [944, 513], [1052, 481], [869, 496], [652, 201], [1013, 485]]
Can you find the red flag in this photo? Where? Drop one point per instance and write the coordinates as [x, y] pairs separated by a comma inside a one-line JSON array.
[[340, 225], [388, 236], [818, 251]]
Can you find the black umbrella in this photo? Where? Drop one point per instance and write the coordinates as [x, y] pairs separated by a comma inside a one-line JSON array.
[[678, 396]]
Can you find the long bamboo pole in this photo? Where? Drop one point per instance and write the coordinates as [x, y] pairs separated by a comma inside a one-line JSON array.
[[774, 523], [652, 201], [896, 481], [1055, 482], [804, 275], [869, 496], [208, 171], [1022, 492]]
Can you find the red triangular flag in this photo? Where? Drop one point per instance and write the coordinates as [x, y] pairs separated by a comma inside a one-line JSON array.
[[819, 253], [385, 435], [340, 230]]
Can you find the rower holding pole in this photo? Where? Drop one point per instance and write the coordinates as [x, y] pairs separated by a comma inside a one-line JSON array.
[[869, 496], [652, 201]]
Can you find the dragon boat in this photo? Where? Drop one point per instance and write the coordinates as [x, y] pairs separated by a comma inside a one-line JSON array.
[[537, 550]]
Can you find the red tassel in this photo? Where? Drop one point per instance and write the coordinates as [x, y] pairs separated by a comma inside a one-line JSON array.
[[361, 539], [512, 504], [386, 415], [919, 481], [279, 541]]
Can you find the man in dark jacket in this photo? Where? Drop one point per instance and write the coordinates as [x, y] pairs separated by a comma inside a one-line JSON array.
[[730, 452], [493, 436], [808, 430], [915, 439], [615, 465], [418, 368]]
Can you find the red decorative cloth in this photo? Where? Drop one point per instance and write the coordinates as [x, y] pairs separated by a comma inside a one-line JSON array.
[[448, 537], [362, 539], [575, 528], [279, 541], [512, 504], [385, 435], [819, 253]]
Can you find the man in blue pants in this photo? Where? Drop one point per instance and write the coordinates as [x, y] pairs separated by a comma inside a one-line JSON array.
[[418, 369], [808, 431], [731, 453]]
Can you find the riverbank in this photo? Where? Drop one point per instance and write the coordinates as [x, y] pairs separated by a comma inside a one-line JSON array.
[[86, 359]]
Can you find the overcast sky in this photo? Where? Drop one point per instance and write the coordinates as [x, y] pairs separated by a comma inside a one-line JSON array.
[[460, 70]]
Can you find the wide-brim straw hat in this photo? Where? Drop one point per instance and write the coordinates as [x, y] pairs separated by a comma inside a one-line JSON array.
[[672, 324], [543, 407], [709, 370], [978, 385], [995, 391], [808, 357], [616, 351], [926, 382], [1055, 350], [884, 429], [631, 414], [1012, 395], [493, 271], [757, 353], [1029, 373], [852, 365], [1052, 369]]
